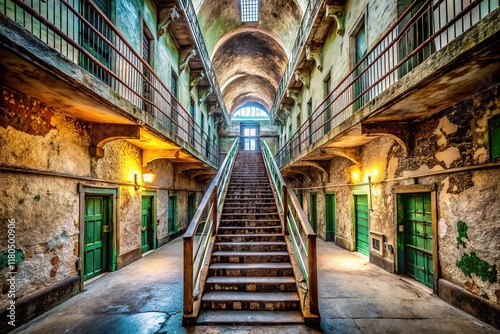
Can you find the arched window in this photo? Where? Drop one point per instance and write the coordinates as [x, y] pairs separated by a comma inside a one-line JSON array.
[[251, 113]]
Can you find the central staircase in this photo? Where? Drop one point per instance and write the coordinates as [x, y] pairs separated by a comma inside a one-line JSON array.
[[250, 279]]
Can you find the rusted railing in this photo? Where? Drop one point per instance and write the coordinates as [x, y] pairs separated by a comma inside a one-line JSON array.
[[297, 227], [421, 30], [306, 25], [198, 239], [82, 33], [188, 8]]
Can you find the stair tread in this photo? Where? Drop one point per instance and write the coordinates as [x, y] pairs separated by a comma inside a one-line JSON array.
[[243, 235], [252, 243], [240, 253], [250, 279], [250, 296], [262, 265], [250, 317]]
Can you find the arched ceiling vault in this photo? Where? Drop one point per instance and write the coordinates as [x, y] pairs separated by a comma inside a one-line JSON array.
[[249, 59]]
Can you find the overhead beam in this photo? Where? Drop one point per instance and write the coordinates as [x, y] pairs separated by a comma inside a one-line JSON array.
[[351, 153], [400, 132], [150, 155], [103, 133]]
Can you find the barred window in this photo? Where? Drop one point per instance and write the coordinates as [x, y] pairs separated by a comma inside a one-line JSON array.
[[249, 11]]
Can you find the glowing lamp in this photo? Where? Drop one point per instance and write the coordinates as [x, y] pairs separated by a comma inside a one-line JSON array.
[[148, 177]]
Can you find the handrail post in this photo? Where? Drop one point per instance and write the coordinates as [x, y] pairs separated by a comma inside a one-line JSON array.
[[188, 276], [214, 207], [313, 274], [284, 194]]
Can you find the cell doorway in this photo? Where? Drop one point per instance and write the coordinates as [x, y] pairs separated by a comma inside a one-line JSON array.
[[249, 133]]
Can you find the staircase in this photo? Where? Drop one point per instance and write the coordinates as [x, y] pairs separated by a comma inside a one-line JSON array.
[[250, 279]]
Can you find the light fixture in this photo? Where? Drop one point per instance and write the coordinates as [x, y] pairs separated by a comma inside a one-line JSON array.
[[136, 181], [148, 177]]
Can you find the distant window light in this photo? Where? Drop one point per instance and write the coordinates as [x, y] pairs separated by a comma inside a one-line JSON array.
[[253, 113], [249, 11]]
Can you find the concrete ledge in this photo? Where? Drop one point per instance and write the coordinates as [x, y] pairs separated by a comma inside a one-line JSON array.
[[382, 262], [41, 301], [129, 257], [470, 303], [343, 243]]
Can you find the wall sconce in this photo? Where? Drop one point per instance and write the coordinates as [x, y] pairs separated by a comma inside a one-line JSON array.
[[136, 181], [148, 177]]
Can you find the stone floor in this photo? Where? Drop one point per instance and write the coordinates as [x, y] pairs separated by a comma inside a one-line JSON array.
[[355, 297]]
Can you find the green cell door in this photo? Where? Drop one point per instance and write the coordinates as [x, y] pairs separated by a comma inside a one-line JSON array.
[[415, 238], [96, 239], [361, 223], [330, 216], [191, 207], [314, 211], [172, 214], [147, 232]]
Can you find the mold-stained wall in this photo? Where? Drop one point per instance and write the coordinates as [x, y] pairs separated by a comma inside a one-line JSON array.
[[44, 158]]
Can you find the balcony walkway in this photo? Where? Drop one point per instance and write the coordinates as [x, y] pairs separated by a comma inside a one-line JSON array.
[[355, 297]]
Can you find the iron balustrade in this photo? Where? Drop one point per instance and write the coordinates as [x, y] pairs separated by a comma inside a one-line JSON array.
[[306, 25], [83, 34], [198, 240], [423, 29], [187, 7], [297, 227]]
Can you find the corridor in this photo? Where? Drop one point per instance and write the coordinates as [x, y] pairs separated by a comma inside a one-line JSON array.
[[355, 297]]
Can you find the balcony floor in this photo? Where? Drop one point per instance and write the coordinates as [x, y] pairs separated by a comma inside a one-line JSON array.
[[355, 297]]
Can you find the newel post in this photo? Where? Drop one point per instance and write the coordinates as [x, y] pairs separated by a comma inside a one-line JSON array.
[[188, 276], [313, 274]]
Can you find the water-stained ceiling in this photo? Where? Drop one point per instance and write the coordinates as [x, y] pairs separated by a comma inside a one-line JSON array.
[[249, 58]]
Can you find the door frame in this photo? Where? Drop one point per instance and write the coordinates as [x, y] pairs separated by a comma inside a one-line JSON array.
[[359, 190], [176, 214], [414, 189], [250, 125], [327, 194], [154, 195], [92, 190]]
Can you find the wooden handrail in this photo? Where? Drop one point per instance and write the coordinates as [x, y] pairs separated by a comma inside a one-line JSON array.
[[291, 209], [197, 256]]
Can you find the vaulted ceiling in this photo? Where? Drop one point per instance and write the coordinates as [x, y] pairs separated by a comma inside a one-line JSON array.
[[249, 58]]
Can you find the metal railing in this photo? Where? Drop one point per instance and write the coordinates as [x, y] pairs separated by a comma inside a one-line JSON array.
[[421, 30], [82, 33], [198, 239], [188, 8], [296, 225], [306, 25]]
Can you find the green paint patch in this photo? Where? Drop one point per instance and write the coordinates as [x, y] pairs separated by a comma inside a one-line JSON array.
[[462, 233], [472, 264], [37, 198], [10, 257]]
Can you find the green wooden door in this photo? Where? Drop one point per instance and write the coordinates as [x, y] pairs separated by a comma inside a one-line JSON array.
[[314, 211], [361, 223], [416, 233], [330, 216], [147, 233], [172, 214], [96, 236], [191, 207]]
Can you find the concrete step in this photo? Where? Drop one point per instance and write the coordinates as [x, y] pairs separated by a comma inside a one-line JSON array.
[[243, 223], [251, 246], [249, 230], [222, 317], [251, 269], [251, 284], [249, 237], [249, 257], [261, 216], [255, 301]]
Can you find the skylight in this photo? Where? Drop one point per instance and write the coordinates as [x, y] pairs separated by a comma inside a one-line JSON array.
[[249, 11]]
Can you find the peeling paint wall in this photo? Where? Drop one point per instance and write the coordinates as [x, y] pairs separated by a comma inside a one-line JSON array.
[[40, 139], [452, 139]]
